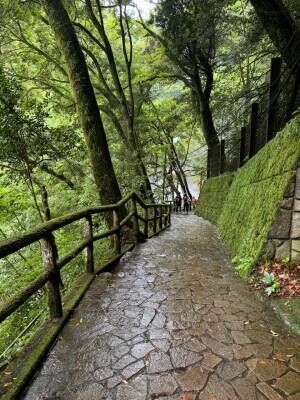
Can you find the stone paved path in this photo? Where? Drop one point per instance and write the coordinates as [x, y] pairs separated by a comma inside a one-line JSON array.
[[173, 321]]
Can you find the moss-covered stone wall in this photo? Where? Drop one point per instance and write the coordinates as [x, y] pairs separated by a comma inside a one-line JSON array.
[[244, 216], [213, 196]]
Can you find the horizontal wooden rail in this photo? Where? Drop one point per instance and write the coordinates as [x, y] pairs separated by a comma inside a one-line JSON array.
[[52, 265]]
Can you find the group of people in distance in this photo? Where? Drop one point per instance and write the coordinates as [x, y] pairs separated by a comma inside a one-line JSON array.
[[188, 203]]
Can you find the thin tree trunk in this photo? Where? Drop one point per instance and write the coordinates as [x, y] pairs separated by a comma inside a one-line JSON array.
[[86, 103]]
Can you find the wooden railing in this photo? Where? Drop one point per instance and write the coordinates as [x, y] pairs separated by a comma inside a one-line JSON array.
[[53, 265]]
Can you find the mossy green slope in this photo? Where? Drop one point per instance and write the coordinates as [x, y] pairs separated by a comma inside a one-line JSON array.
[[213, 196], [254, 195]]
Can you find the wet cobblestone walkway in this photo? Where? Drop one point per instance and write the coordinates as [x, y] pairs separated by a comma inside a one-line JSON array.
[[172, 322]]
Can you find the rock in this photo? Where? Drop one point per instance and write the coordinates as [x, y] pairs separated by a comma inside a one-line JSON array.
[[240, 338], [193, 379], [231, 370], [218, 389], [295, 363], [295, 232], [182, 358], [133, 369], [159, 362], [283, 251], [289, 383], [220, 349], [244, 388], [297, 205], [282, 225], [103, 373], [135, 389], [240, 352], [139, 350], [162, 385], [270, 393], [266, 370], [210, 360]]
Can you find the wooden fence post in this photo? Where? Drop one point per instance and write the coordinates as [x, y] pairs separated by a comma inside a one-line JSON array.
[[136, 228], [154, 221], [88, 235], [146, 216], [253, 129], [169, 215], [275, 74], [160, 221], [117, 235], [49, 256], [223, 157], [243, 145]]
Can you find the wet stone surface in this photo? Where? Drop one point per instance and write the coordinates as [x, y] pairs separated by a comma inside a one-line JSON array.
[[172, 318]]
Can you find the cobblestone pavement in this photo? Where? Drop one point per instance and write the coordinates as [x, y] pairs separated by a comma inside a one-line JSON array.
[[172, 322]]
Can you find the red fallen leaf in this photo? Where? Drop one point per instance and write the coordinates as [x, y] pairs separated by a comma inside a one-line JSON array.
[[279, 357], [146, 356], [185, 396]]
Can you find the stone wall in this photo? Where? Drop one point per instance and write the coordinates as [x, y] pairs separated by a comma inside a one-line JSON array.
[[284, 235]]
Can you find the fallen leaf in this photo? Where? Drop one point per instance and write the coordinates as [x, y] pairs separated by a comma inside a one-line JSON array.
[[185, 396], [146, 356], [125, 382], [274, 333], [279, 357]]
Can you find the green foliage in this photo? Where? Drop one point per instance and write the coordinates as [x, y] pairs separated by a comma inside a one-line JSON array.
[[243, 265], [272, 284]]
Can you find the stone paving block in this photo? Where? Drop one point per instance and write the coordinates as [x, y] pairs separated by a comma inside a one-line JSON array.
[[230, 370], [162, 385], [245, 388], [266, 370], [159, 362], [140, 350], [289, 383], [192, 379], [218, 389], [218, 348], [295, 232], [240, 337], [295, 363], [181, 357], [210, 361], [268, 391], [135, 389], [132, 369]]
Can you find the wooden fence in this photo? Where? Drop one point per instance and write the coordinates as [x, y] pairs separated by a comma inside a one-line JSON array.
[[267, 117], [156, 215]]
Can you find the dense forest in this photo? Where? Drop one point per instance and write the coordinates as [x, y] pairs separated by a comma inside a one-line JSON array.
[[102, 97]]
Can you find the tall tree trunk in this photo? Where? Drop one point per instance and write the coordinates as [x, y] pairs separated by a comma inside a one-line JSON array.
[[203, 110], [86, 103], [281, 28]]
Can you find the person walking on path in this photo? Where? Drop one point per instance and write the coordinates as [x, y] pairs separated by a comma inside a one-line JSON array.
[[186, 204], [178, 201], [194, 202]]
